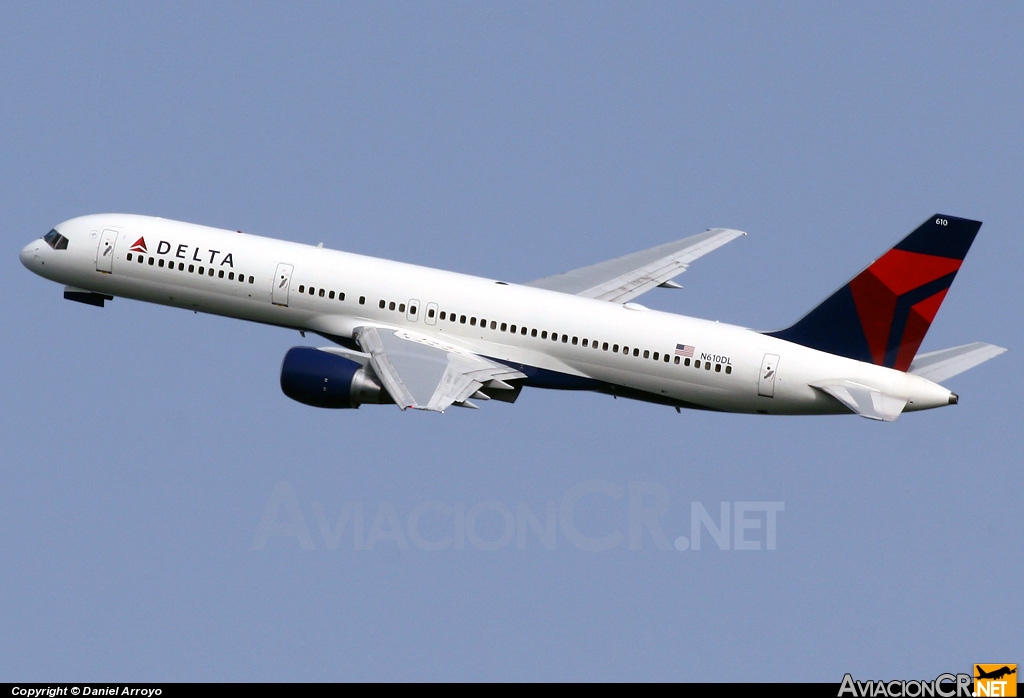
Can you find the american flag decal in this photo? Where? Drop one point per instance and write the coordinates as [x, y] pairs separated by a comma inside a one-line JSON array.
[[684, 350]]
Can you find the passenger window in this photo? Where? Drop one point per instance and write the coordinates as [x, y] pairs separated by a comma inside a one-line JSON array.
[[523, 331], [252, 279], [391, 305], [181, 266], [312, 291], [565, 339], [320, 293], [718, 368], [341, 296], [161, 265], [544, 334], [330, 295], [655, 357], [231, 277], [444, 315], [383, 304], [504, 326], [728, 370], [696, 364], [604, 347], [585, 342], [401, 307], [685, 363], [220, 274], [707, 365], [129, 258], [413, 309], [151, 261], [636, 352], [472, 322], [512, 329], [615, 348], [666, 358], [462, 319], [141, 259], [677, 361], [191, 268], [362, 300], [302, 287], [647, 354], [575, 341], [202, 270], [533, 333]]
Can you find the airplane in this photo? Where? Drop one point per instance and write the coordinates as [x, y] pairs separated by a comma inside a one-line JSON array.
[[428, 339], [994, 674]]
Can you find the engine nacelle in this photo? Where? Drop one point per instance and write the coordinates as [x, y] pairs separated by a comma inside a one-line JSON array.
[[322, 379]]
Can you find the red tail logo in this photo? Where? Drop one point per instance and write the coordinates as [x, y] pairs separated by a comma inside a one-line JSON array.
[[140, 246]]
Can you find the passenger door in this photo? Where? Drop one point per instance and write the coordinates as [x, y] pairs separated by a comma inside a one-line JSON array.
[[282, 284], [766, 379], [105, 251]]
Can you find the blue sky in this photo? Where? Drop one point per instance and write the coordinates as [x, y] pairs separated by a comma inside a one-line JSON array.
[[143, 446]]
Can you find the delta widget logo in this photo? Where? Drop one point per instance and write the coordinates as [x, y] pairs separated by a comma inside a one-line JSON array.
[[139, 246], [995, 680]]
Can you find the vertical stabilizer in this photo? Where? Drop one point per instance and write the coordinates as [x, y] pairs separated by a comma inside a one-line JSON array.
[[882, 315]]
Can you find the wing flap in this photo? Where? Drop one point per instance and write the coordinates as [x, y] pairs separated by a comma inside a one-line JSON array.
[[624, 278], [864, 400], [424, 373], [939, 365]]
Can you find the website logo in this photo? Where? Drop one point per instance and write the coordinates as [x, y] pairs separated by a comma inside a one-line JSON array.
[[995, 680]]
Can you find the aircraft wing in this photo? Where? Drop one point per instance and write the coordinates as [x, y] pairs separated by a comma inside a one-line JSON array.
[[425, 373], [939, 365], [624, 278]]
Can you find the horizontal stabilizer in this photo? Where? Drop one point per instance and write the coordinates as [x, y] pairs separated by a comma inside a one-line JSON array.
[[939, 365], [864, 400]]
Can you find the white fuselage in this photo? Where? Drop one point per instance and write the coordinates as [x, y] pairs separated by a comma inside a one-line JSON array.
[[613, 348]]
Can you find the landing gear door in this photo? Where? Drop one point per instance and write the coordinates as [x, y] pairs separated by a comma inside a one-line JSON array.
[[766, 380], [105, 251], [282, 284]]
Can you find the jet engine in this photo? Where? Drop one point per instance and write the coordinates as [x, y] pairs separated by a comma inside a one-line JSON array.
[[322, 379]]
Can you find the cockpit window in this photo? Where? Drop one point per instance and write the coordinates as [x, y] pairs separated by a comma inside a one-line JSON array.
[[56, 240]]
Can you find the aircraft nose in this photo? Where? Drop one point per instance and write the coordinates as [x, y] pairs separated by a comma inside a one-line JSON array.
[[28, 253]]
